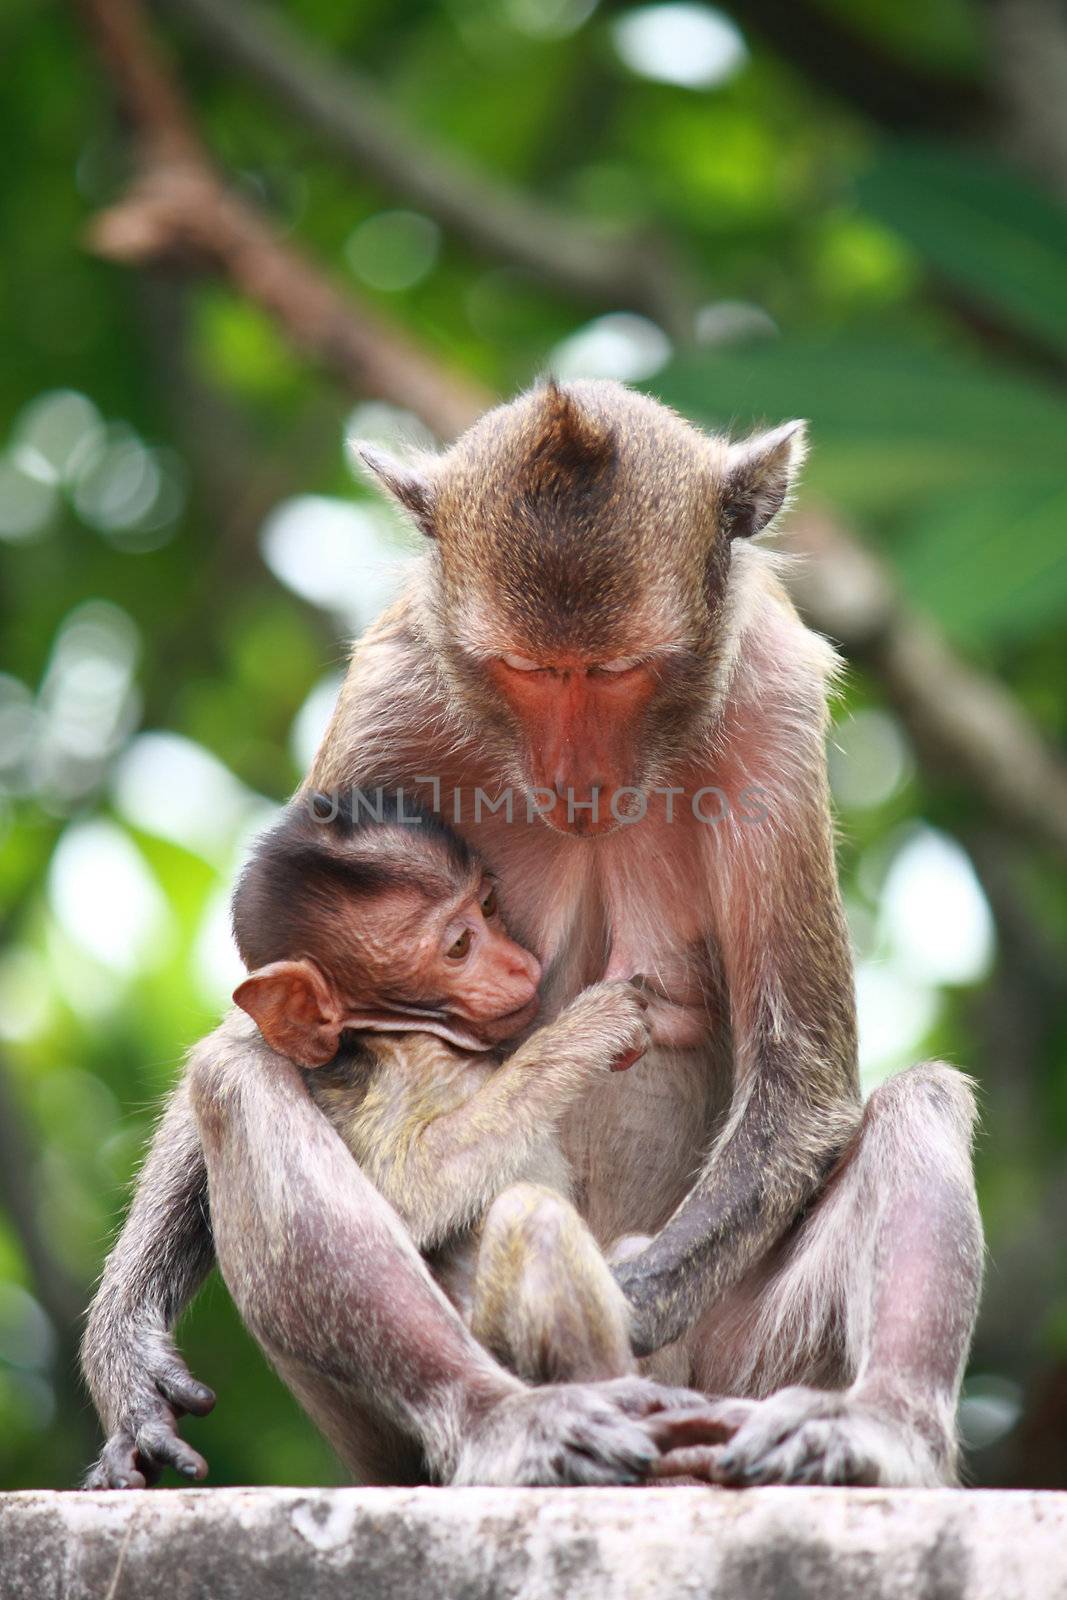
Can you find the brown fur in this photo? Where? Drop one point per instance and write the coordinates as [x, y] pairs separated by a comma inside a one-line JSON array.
[[798, 1239]]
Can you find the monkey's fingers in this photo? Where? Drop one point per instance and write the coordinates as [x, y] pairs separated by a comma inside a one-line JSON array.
[[644, 990], [676, 1430], [670, 1416], [160, 1446], [733, 1413], [179, 1388], [693, 1461], [642, 1397]]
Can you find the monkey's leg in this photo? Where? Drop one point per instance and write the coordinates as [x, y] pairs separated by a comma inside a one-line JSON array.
[[332, 1287], [881, 1281], [545, 1302]]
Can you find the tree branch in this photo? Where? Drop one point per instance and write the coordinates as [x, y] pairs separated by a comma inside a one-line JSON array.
[[162, 127], [963, 721], [178, 210], [902, 96], [181, 212], [347, 111], [1028, 40], [965, 724]]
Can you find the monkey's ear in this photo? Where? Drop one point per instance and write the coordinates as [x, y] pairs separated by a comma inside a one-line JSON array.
[[296, 1009], [410, 487], [759, 472]]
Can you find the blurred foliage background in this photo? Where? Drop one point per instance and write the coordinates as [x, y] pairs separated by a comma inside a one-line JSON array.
[[841, 210]]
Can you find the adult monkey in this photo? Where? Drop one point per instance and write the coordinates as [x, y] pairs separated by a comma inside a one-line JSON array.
[[591, 626]]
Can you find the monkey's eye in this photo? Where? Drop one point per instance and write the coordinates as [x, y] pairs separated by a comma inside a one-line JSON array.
[[489, 904], [461, 947], [623, 664], [521, 664]]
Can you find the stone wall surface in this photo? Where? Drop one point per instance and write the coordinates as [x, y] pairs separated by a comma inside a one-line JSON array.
[[534, 1544]]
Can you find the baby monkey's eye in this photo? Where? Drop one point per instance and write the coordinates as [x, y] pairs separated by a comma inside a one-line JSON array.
[[489, 904], [461, 946]]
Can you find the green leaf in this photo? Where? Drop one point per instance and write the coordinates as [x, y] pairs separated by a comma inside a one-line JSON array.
[[980, 227], [990, 565], [890, 423]]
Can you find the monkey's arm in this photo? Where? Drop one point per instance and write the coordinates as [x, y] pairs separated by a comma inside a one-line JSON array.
[[782, 940], [440, 1164], [139, 1384]]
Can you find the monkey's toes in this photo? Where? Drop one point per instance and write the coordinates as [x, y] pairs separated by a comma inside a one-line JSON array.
[[158, 1444], [117, 1466], [693, 1463], [808, 1436]]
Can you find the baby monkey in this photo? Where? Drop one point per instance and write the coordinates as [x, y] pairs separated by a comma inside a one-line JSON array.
[[379, 961]]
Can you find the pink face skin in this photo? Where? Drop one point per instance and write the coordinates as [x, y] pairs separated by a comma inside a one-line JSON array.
[[581, 721], [474, 970]]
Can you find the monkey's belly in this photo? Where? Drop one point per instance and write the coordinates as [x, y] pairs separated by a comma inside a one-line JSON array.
[[636, 1141]]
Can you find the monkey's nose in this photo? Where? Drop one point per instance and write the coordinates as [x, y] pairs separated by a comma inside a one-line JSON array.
[[530, 968], [577, 793]]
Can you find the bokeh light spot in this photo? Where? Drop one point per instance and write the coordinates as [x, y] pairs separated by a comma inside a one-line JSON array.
[[27, 501], [394, 250], [174, 788], [933, 913], [105, 899], [336, 555], [311, 720], [869, 759], [692, 46], [620, 345]]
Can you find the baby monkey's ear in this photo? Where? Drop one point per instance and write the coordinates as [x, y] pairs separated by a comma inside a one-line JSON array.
[[297, 1010]]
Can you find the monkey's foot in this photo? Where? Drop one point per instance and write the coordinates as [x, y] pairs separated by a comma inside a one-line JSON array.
[[578, 1433], [812, 1436]]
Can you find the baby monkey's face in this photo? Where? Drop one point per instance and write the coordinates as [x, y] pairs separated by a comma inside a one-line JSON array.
[[413, 941], [447, 956]]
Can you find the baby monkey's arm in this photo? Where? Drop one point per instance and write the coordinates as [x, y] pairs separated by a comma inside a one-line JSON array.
[[440, 1159]]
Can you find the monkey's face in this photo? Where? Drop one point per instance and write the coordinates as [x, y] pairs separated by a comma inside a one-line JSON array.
[[582, 726], [465, 971], [491, 981], [577, 602], [438, 963]]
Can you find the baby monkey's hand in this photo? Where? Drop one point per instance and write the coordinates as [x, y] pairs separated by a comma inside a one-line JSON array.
[[607, 1023]]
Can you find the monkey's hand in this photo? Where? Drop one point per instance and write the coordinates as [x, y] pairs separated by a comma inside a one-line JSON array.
[[584, 1433], [604, 1028], [143, 1433]]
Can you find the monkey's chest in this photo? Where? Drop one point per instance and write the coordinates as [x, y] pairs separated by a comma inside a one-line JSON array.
[[685, 1005]]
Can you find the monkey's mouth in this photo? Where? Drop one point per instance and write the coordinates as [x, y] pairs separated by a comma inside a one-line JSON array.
[[497, 1029]]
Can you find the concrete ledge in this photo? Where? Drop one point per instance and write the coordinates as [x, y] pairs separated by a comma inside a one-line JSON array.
[[533, 1544]]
